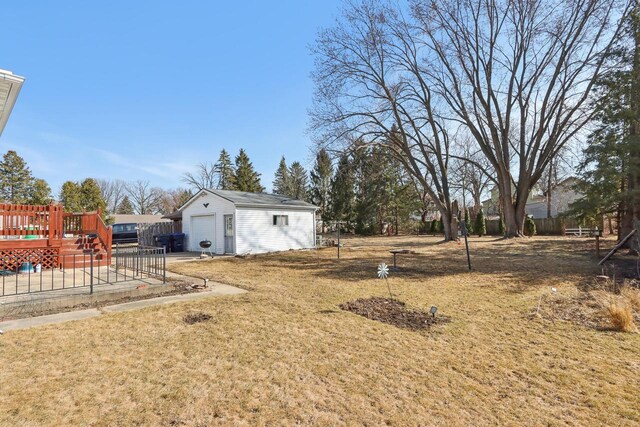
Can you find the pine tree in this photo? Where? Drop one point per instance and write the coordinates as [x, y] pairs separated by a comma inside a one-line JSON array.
[[40, 193], [282, 180], [247, 179], [369, 191], [342, 191], [501, 227], [125, 207], [468, 222], [299, 181], [610, 170], [70, 197], [480, 227], [15, 179], [320, 192], [84, 196], [225, 171], [91, 197]]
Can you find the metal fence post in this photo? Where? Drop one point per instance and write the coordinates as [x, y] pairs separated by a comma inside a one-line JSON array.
[[91, 273], [164, 265]]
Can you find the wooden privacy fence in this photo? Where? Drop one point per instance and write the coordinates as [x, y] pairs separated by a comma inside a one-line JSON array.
[[147, 231], [544, 226]]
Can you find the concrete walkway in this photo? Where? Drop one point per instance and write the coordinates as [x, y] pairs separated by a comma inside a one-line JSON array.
[[216, 289]]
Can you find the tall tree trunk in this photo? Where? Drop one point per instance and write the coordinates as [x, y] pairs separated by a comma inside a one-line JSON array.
[[549, 181], [631, 204]]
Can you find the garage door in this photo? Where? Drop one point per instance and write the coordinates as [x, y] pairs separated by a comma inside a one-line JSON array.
[[203, 228]]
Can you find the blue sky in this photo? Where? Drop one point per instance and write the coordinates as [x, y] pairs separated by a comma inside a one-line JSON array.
[[147, 89]]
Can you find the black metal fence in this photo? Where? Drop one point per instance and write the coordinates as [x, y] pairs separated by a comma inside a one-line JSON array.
[[41, 272]]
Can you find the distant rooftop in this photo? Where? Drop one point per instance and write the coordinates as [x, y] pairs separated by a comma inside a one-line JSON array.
[[10, 86]]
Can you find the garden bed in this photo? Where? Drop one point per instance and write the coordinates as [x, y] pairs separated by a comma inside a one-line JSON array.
[[392, 312]]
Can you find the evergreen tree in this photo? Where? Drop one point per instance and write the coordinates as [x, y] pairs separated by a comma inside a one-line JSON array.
[[246, 178], [91, 197], [320, 192], [299, 181], [125, 207], [529, 227], [610, 170], [282, 181], [342, 191], [70, 197], [84, 196], [369, 191], [225, 171], [501, 227], [15, 179], [40, 193], [433, 228], [480, 227], [468, 222]]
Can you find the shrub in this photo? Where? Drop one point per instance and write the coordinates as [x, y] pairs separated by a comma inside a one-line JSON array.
[[468, 222], [434, 227], [480, 227], [440, 226], [621, 317], [529, 227], [502, 229]]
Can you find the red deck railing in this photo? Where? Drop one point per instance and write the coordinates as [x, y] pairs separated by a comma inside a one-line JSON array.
[[26, 222], [29, 220]]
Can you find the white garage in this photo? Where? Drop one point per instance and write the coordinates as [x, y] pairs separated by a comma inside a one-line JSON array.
[[237, 222]]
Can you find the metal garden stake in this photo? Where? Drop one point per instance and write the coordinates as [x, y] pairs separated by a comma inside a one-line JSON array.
[[383, 273]]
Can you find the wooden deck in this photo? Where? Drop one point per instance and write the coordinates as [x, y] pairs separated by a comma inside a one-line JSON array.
[[46, 234]]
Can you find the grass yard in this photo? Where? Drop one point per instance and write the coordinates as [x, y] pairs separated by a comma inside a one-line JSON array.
[[285, 354]]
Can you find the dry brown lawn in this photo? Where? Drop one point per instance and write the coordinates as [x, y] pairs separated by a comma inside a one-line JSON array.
[[285, 354]]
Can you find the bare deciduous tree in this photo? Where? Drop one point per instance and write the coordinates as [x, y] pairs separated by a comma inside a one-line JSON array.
[[205, 176], [472, 175], [146, 200], [517, 74], [112, 192], [370, 87]]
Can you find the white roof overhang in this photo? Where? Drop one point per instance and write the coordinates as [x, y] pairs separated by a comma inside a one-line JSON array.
[[10, 86]]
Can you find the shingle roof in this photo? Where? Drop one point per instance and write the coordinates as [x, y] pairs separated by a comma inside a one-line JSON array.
[[242, 198]]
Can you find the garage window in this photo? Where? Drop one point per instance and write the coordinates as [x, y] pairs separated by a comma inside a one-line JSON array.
[[281, 220]]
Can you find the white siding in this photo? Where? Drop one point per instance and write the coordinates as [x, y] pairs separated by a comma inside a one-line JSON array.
[[217, 206], [255, 232]]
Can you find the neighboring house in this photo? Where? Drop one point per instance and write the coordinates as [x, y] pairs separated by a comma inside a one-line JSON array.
[[237, 222], [10, 86], [562, 195]]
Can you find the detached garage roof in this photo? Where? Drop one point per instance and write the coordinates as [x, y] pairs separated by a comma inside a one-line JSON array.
[[10, 86], [244, 199]]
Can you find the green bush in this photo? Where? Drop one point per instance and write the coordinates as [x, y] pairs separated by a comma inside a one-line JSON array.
[[529, 227], [502, 229], [434, 227], [480, 227], [468, 222], [440, 226]]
